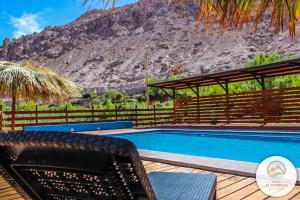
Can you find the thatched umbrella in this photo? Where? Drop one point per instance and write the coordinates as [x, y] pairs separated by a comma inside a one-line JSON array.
[[28, 82]]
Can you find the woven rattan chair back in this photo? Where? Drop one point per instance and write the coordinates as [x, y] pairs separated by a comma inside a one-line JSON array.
[[70, 166]]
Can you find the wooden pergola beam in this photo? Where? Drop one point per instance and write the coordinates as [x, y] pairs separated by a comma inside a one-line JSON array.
[[170, 96], [258, 73], [196, 92], [259, 78]]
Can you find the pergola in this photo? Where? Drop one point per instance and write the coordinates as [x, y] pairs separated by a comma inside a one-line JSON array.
[[258, 73]]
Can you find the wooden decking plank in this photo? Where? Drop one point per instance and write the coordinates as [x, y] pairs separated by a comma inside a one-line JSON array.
[[296, 197], [173, 168], [242, 193], [4, 186], [145, 162], [11, 197], [160, 168], [8, 192], [258, 195], [198, 171], [181, 169], [229, 181], [12, 194], [218, 174], [224, 177], [152, 167], [165, 168], [290, 195], [234, 187]]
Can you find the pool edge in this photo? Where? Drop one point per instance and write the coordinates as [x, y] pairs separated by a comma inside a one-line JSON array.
[[240, 168]]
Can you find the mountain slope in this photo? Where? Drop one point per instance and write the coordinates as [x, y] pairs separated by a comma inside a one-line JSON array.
[[100, 50]]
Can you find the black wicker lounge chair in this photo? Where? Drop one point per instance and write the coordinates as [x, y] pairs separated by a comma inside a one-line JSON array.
[[70, 166]]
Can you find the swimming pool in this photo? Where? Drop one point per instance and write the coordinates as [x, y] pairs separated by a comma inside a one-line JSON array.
[[232, 145]]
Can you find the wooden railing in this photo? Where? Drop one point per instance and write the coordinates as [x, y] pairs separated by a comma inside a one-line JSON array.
[[268, 106], [140, 117]]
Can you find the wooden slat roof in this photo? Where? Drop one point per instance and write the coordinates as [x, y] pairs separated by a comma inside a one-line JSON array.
[[244, 74]]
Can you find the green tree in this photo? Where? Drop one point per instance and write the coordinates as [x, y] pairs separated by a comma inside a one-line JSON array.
[[181, 93], [155, 93], [26, 105], [115, 96], [67, 104], [262, 58], [88, 95], [4, 105], [93, 99], [109, 105]]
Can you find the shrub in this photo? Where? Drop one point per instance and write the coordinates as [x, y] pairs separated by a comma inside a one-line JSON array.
[[115, 96], [86, 95], [4, 105]]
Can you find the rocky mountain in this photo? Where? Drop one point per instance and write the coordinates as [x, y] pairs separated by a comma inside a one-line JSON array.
[[101, 50]]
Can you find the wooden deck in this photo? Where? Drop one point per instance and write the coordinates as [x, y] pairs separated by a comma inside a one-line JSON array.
[[229, 187]]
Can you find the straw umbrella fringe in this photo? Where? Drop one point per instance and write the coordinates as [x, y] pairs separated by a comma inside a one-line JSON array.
[[27, 82]]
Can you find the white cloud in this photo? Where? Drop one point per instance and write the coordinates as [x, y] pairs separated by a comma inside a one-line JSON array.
[[26, 24]]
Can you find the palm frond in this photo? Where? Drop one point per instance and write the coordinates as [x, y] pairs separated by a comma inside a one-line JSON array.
[[235, 13]]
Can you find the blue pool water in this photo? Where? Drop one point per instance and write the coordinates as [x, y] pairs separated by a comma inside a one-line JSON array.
[[242, 146]]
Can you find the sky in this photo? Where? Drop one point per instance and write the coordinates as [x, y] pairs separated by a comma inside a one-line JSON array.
[[21, 17]]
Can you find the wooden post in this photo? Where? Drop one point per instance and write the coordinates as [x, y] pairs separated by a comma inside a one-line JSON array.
[[36, 115], [66, 113], [263, 84], [93, 118], [103, 115], [116, 112], [1, 118], [174, 109], [136, 116], [147, 80], [13, 109], [154, 115], [264, 109], [227, 103], [198, 105]]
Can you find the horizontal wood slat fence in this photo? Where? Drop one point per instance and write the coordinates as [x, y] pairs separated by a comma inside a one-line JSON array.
[[266, 106], [140, 117]]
